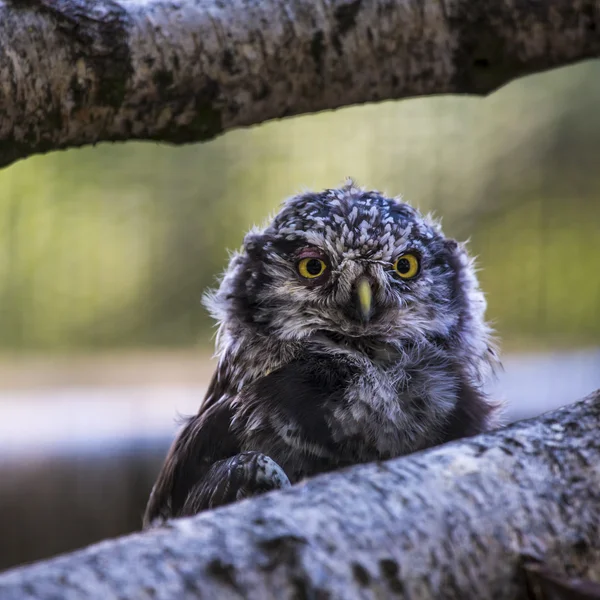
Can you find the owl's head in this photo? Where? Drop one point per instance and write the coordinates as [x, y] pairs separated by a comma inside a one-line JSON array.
[[354, 264]]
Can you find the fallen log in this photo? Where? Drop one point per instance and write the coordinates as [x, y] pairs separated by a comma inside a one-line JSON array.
[[76, 72], [456, 521]]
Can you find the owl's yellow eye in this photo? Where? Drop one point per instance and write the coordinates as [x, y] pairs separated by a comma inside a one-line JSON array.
[[311, 267], [407, 266]]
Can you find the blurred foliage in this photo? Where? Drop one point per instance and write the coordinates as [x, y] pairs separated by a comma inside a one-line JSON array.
[[113, 246]]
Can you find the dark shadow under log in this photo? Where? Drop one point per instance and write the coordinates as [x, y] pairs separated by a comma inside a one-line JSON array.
[[451, 522]]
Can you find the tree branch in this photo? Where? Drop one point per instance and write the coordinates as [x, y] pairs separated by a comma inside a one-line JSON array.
[[449, 522], [76, 72]]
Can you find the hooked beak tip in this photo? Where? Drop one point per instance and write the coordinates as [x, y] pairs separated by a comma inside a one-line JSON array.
[[365, 297]]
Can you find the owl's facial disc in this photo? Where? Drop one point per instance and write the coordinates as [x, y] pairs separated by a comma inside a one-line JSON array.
[[355, 264]]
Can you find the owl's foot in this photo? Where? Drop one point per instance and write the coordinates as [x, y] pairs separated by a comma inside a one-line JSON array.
[[241, 476]]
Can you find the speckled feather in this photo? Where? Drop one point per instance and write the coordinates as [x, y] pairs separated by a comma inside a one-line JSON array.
[[303, 384]]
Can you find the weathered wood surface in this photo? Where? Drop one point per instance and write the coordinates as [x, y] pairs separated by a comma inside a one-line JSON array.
[[76, 72], [450, 522]]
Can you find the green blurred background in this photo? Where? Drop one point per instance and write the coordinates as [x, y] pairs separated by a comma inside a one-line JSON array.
[[105, 253], [112, 247]]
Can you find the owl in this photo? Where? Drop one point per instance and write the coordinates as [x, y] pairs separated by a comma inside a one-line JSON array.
[[350, 330]]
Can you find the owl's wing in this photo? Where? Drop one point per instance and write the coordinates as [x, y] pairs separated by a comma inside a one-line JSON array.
[[205, 439], [289, 411]]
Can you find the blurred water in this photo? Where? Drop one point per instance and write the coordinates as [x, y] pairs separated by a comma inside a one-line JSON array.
[[533, 384], [91, 420]]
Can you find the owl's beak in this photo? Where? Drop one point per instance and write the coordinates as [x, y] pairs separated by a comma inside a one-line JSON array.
[[365, 297]]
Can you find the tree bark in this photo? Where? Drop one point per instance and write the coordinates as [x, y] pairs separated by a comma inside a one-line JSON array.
[[76, 72], [451, 522]]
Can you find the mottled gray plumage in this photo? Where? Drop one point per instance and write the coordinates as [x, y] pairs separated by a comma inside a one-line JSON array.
[[334, 349]]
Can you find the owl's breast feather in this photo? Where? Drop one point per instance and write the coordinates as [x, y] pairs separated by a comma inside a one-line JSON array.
[[397, 408], [336, 408]]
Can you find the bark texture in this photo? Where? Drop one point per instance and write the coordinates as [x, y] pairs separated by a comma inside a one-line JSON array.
[[75, 72], [456, 521]]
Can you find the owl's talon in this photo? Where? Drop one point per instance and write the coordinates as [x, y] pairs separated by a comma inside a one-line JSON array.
[[241, 476]]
